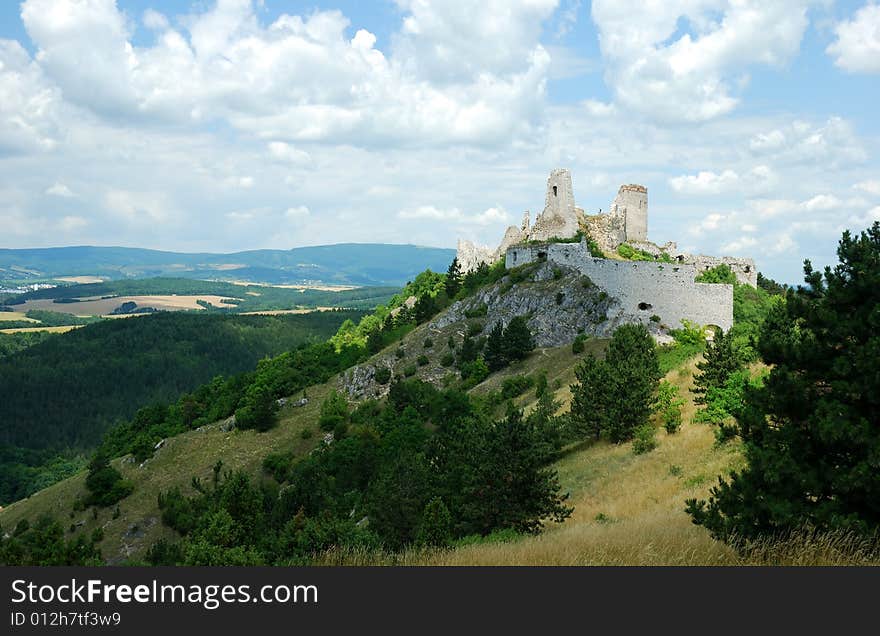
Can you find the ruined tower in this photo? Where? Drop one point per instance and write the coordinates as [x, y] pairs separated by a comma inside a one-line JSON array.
[[631, 207], [560, 218]]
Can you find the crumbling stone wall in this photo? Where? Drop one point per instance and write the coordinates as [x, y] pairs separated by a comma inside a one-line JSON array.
[[743, 268], [643, 288], [560, 218]]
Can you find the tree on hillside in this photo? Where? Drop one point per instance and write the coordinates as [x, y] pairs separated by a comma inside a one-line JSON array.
[[495, 352], [453, 279], [104, 483], [518, 340], [615, 396], [334, 412], [812, 431], [259, 409], [720, 360]]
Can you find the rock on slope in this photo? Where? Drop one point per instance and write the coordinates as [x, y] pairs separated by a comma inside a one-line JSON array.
[[558, 302]]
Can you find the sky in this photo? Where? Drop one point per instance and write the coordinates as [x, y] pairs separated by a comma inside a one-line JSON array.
[[235, 124]]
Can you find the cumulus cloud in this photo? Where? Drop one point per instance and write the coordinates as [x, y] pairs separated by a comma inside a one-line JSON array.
[[682, 60], [833, 143], [58, 189], [297, 212], [488, 217], [857, 47], [302, 78], [28, 103], [870, 186], [707, 182]]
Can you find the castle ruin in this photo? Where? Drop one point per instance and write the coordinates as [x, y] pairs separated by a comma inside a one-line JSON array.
[[663, 290]]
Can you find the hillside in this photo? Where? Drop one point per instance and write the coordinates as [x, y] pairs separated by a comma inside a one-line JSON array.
[[104, 372], [534, 290], [628, 508], [341, 264]]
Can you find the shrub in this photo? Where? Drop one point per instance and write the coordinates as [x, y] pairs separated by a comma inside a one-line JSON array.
[[560, 298], [448, 360], [383, 375], [306, 433], [515, 386], [477, 312], [474, 329], [655, 318], [541, 384], [643, 440], [334, 410], [428, 343], [410, 371], [423, 360], [720, 274], [399, 353], [579, 344]]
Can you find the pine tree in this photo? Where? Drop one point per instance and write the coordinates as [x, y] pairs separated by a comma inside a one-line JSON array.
[[720, 361], [495, 352], [812, 432], [518, 340], [615, 396], [453, 279]]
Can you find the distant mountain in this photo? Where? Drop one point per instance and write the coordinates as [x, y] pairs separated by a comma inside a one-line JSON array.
[[340, 264]]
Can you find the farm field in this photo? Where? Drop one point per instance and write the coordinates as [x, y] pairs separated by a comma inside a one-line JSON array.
[[103, 306]]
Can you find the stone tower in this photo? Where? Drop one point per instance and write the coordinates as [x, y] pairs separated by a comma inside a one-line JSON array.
[[631, 206], [560, 216]]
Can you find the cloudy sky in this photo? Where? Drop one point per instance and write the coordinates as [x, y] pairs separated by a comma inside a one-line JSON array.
[[236, 124]]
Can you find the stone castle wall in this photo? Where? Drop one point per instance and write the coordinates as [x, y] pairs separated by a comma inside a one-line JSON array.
[[642, 288], [744, 268]]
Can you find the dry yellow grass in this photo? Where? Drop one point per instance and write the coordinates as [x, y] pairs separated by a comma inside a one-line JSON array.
[[15, 315], [63, 329], [100, 307], [81, 280]]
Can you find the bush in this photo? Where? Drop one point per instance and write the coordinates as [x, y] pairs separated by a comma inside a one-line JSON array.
[[643, 441], [334, 410], [383, 375], [655, 318], [447, 360], [423, 360], [560, 298], [579, 344], [105, 484], [410, 371], [428, 343], [399, 353], [515, 386], [720, 274]]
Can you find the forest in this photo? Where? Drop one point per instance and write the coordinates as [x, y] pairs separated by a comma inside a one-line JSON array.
[[60, 395]]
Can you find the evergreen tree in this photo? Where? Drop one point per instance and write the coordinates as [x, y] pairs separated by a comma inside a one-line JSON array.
[[615, 396], [435, 528], [495, 352], [720, 360], [334, 411], [812, 432], [518, 340], [453, 279], [259, 410]]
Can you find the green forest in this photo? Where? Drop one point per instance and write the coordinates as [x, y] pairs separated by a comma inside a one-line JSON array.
[[60, 395], [253, 297]]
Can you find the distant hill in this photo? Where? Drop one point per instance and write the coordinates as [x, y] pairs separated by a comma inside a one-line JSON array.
[[340, 264]]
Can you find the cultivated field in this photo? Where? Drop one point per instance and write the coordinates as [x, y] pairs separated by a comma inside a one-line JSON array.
[[63, 329], [101, 307]]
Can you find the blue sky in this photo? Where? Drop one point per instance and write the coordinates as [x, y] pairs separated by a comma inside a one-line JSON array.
[[231, 124]]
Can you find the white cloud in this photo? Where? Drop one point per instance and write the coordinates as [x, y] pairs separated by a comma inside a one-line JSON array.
[[137, 207], [657, 69], [833, 142], [297, 212], [28, 103], [154, 20], [710, 183], [285, 152], [857, 47], [870, 186], [705, 182], [72, 223], [58, 189], [490, 216], [821, 202], [302, 78]]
